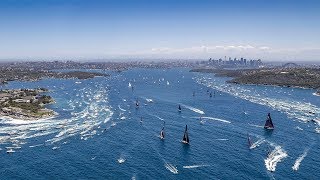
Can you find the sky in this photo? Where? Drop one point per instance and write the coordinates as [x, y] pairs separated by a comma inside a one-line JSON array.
[[275, 30]]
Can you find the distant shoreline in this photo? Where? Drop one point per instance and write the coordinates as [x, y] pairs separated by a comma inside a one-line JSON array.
[[290, 77]]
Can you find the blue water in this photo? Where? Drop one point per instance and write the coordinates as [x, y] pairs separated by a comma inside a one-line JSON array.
[[98, 126]]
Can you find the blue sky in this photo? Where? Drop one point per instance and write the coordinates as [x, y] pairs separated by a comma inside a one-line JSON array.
[[147, 29]]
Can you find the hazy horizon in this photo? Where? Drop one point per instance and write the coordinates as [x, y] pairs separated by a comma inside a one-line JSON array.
[[149, 29]]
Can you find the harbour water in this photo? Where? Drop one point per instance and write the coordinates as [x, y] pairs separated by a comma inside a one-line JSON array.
[[98, 132]]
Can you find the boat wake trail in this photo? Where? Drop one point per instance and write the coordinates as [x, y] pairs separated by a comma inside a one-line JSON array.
[[274, 157], [254, 125], [156, 116], [121, 108], [194, 166], [257, 144], [217, 119], [193, 109], [171, 168], [296, 165]]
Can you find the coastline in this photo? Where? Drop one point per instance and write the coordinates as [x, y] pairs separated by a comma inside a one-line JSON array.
[[28, 119], [305, 78], [16, 120], [26, 104]]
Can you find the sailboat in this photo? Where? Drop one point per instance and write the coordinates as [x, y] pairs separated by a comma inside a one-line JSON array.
[[162, 133], [249, 141], [137, 104], [269, 124], [179, 108], [185, 138]]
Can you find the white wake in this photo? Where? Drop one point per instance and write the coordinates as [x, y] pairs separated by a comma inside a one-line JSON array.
[[296, 165], [194, 166], [274, 158], [91, 109], [193, 109], [171, 168]]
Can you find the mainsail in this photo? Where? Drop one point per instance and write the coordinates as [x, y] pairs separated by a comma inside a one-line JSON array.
[[185, 138], [269, 124], [249, 141], [162, 132]]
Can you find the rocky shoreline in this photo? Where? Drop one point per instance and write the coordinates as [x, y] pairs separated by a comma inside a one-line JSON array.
[[25, 104]]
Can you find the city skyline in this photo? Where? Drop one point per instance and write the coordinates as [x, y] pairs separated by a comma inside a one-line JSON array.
[[77, 29]]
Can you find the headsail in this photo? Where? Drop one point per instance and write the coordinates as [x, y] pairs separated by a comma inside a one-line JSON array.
[[269, 124]]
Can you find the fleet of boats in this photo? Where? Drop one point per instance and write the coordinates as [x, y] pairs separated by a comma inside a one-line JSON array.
[[185, 140]]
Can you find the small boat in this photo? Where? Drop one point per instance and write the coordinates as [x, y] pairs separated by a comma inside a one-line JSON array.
[[10, 151], [249, 141], [185, 139], [137, 104], [269, 124], [162, 133], [121, 160], [210, 94], [55, 148], [179, 108], [149, 100]]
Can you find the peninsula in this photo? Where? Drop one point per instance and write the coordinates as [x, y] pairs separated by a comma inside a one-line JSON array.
[[8, 74], [25, 104], [289, 77]]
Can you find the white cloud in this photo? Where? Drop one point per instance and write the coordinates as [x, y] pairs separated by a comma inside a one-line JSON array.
[[264, 48], [209, 49]]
